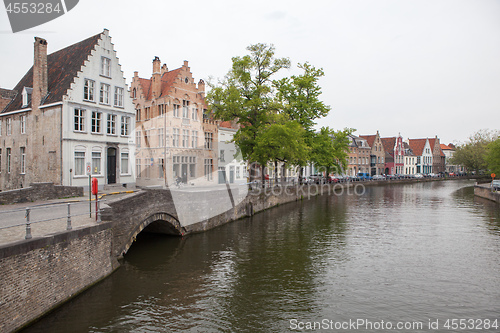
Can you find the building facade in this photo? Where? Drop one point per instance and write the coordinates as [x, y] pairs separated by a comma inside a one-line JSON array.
[[70, 118], [176, 138], [231, 166], [394, 155], [377, 153], [358, 159]]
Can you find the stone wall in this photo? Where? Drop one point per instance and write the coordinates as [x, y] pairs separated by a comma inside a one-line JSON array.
[[39, 274], [39, 191], [484, 191]]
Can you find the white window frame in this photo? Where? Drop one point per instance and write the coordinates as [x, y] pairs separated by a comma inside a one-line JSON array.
[[194, 139], [118, 97], [79, 120], [106, 66], [22, 152], [125, 126], [89, 90], [111, 124], [9, 159], [8, 126], [176, 109], [138, 139], [185, 109], [122, 164], [94, 155], [22, 120], [77, 160], [98, 122], [104, 93]]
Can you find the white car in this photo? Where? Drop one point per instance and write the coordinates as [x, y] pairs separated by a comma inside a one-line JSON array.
[[419, 175]]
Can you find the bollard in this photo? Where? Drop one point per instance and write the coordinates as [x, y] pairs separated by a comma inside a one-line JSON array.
[[69, 227], [28, 224], [98, 211]]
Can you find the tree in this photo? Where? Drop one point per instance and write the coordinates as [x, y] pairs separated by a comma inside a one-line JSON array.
[[472, 154], [329, 149], [246, 94], [493, 156]]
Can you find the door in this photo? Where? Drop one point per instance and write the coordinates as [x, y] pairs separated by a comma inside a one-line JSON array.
[[184, 173], [222, 175], [111, 165], [231, 174]]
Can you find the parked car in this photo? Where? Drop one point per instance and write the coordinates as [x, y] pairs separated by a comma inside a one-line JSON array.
[[419, 176], [495, 185], [378, 177], [364, 176]]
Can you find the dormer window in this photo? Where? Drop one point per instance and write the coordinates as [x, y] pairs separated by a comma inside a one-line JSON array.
[[26, 96]]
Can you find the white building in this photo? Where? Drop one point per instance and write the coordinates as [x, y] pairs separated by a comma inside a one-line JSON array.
[[232, 168], [72, 114]]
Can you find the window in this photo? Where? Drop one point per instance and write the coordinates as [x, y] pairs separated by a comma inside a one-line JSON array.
[[175, 166], [9, 156], [104, 94], [192, 166], [175, 138], [79, 120], [96, 162], [208, 168], [138, 139], [161, 109], [221, 156], [185, 138], [106, 66], [208, 140], [119, 96], [194, 139], [23, 159], [138, 167], [26, 96], [134, 93], [138, 115], [194, 114], [111, 124], [124, 163], [23, 124], [79, 163], [176, 110], [161, 138], [237, 172], [125, 130], [185, 109], [88, 90], [0, 127], [9, 126], [0, 160], [96, 122], [147, 114]]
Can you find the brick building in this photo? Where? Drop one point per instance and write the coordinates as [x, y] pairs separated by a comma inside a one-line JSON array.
[[394, 155], [175, 136], [377, 153], [69, 114], [358, 159]]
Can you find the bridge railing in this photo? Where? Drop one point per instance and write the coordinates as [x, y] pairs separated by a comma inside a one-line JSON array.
[[49, 217]]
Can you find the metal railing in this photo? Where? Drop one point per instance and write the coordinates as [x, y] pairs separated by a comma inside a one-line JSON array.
[[15, 214]]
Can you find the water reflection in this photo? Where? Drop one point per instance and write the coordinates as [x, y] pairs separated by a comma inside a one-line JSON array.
[[401, 252]]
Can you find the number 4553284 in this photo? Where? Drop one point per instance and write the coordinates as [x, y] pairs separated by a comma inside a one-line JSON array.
[[33, 8], [471, 324]]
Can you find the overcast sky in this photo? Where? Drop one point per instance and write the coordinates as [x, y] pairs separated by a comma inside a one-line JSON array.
[[416, 67]]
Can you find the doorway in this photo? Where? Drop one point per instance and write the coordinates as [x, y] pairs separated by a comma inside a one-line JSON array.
[[111, 165]]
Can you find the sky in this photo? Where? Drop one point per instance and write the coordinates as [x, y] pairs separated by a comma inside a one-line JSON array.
[[420, 68]]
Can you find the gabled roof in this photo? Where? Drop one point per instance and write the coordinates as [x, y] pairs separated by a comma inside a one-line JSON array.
[[62, 67], [389, 144], [369, 138], [167, 80], [445, 147], [417, 145], [432, 142]]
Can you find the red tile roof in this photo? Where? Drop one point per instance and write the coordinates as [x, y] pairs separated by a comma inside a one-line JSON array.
[[445, 147], [167, 81], [389, 144], [417, 145], [62, 67], [369, 138]]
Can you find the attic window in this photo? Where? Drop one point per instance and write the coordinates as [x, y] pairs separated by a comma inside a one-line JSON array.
[[26, 96], [186, 80]]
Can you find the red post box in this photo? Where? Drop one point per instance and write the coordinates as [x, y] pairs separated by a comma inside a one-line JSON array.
[[95, 188]]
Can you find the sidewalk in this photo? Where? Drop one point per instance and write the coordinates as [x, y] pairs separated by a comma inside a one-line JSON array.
[[49, 216]]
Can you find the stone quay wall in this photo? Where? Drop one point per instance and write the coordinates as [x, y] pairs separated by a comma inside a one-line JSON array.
[[484, 191], [39, 191], [40, 274]]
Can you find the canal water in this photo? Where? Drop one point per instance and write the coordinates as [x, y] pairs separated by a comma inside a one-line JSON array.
[[399, 254]]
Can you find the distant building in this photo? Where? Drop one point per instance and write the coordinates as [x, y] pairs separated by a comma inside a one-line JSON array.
[[377, 153], [430, 158], [394, 155], [231, 166], [449, 151], [358, 159], [410, 160], [175, 136], [70, 113]]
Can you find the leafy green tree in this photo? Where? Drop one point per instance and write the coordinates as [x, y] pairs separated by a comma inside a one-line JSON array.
[[472, 154], [246, 94], [329, 149], [493, 157]]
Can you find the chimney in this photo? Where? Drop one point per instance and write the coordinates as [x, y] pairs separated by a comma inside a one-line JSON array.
[[156, 78], [40, 74], [164, 69]]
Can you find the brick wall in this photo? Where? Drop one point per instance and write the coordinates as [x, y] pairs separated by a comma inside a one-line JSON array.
[[39, 191], [40, 274]]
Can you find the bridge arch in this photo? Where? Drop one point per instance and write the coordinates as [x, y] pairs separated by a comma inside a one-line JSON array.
[[162, 223]]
